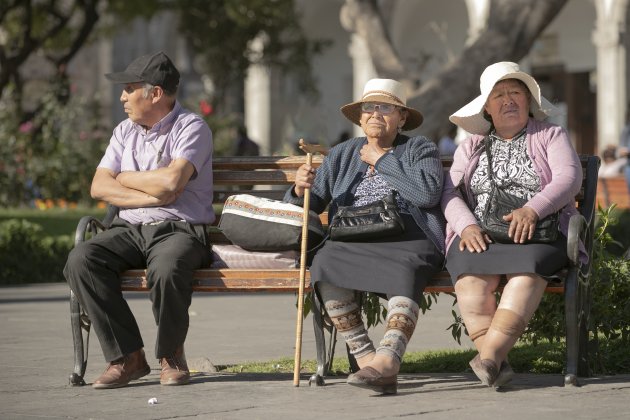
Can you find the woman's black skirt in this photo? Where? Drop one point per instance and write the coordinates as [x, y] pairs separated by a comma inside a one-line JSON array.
[[542, 259], [393, 266]]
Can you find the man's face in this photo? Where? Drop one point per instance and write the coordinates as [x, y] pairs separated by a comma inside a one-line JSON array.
[[138, 108]]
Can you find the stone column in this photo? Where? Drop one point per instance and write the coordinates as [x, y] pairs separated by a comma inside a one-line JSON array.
[[258, 101], [611, 70], [363, 70], [477, 17]]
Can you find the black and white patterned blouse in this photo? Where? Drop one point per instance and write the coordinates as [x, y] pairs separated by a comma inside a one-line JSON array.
[[373, 187], [512, 169]]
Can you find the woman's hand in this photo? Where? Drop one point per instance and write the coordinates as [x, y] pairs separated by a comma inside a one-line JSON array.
[[371, 152], [474, 239], [522, 224], [304, 177]]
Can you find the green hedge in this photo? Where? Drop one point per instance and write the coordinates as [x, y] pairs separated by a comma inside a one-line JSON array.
[[27, 255]]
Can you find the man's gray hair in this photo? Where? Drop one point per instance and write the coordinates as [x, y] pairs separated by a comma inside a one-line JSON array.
[[148, 88]]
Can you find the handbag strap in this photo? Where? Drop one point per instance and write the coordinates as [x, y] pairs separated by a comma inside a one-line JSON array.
[[488, 146]]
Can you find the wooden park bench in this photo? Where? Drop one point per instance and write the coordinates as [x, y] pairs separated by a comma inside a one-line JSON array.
[[269, 176], [613, 191]]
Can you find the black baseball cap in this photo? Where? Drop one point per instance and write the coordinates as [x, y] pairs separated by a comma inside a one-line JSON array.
[[156, 69]]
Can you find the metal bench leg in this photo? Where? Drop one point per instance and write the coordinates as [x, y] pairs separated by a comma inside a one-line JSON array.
[[584, 312], [325, 358], [79, 323], [354, 366], [571, 293], [320, 343]]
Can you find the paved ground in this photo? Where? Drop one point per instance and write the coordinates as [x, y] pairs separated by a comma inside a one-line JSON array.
[[36, 359]]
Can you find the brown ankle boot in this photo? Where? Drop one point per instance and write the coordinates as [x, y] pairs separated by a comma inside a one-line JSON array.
[[174, 369], [120, 372]]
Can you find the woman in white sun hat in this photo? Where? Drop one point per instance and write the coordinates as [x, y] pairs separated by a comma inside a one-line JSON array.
[[359, 171], [532, 159]]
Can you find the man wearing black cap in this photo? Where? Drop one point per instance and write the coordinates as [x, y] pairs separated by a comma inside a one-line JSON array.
[[157, 170]]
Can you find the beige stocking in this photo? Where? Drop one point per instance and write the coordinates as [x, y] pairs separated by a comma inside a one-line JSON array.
[[519, 300]]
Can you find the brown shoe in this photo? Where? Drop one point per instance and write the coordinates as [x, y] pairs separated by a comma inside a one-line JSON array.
[[119, 372], [370, 378], [486, 370], [174, 369], [506, 373]]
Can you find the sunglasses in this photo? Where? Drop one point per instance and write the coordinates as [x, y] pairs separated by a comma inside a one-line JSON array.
[[383, 109]]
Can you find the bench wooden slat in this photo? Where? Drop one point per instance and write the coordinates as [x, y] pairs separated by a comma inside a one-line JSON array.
[[221, 195], [229, 280], [272, 280], [244, 163], [272, 177], [613, 190]]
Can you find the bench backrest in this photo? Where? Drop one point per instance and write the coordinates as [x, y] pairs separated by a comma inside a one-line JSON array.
[[270, 176], [613, 191]]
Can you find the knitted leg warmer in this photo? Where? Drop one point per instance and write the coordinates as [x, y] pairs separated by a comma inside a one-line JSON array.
[[402, 316], [345, 314]]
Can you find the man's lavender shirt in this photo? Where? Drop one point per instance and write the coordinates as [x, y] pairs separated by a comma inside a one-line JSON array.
[[180, 134]]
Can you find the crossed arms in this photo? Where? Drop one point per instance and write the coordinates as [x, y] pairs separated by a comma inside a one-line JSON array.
[[132, 189]]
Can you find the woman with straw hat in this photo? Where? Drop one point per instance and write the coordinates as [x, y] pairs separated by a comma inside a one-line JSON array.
[[359, 171], [532, 159]]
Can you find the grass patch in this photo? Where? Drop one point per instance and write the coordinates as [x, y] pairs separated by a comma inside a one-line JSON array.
[[285, 365], [542, 358], [55, 222]]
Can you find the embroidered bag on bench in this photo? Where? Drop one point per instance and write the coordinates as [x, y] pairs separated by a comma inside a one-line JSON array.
[[262, 224]]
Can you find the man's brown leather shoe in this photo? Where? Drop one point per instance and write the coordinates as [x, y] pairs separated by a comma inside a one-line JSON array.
[[174, 369], [119, 372]]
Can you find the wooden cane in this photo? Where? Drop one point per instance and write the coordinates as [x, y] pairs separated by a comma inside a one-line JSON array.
[[300, 306]]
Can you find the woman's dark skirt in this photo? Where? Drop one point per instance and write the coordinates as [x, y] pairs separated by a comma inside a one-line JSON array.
[[542, 259], [392, 266]]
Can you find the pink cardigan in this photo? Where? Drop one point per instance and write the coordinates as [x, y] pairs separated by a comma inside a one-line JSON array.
[[555, 160]]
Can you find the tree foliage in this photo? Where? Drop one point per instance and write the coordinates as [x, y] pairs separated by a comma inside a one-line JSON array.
[[223, 35], [53, 29], [52, 155], [46, 144]]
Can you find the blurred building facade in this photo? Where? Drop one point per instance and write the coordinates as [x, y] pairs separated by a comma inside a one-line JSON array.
[[580, 61]]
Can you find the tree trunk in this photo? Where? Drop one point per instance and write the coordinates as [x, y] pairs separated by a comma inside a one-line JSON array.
[[512, 28]]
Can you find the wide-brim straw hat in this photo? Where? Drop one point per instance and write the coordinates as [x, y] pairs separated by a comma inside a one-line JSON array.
[[470, 117], [385, 91]]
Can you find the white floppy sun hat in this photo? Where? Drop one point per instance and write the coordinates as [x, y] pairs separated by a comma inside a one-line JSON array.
[[385, 91], [470, 116]]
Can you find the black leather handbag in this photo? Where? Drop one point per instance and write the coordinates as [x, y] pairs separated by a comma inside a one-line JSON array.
[[501, 203], [370, 221]]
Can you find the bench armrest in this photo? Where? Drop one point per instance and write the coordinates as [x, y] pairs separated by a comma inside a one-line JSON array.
[[91, 225], [577, 230], [112, 212]]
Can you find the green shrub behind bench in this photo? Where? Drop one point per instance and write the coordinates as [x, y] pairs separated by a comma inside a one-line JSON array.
[[28, 256]]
